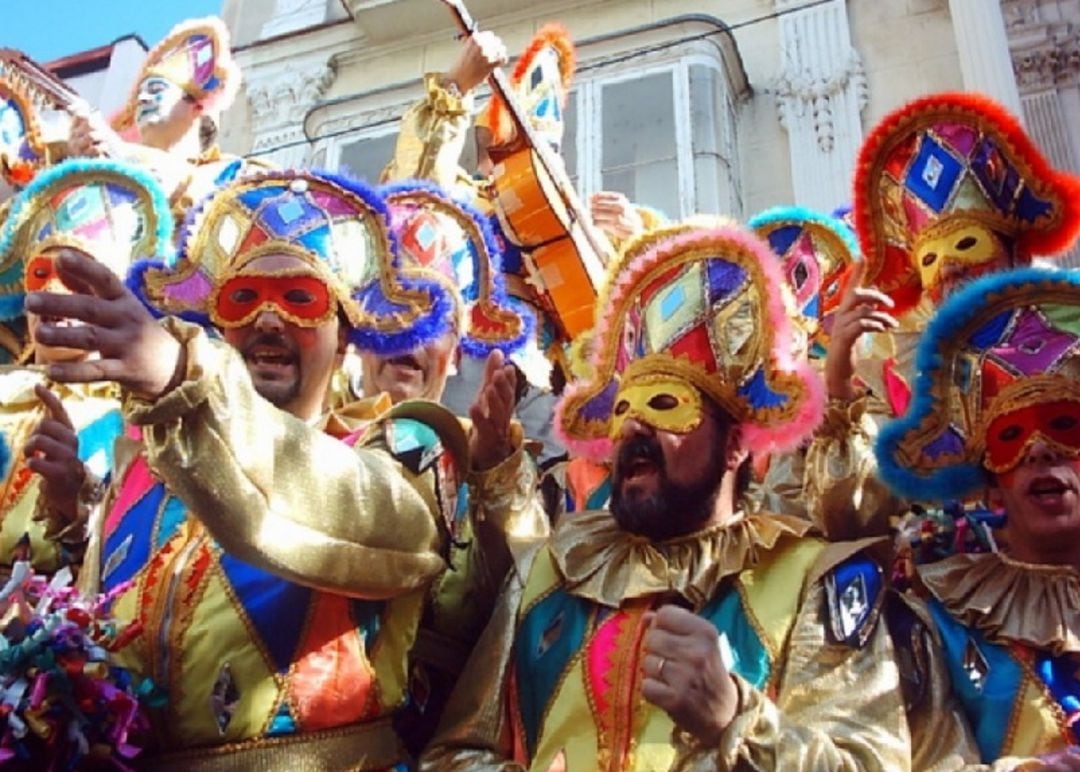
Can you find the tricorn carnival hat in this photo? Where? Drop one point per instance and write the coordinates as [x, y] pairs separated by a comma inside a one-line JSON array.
[[699, 304], [996, 353], [337, 226], [195, 56], [815, 253], [114, 212], [541, 80], [939, 170], [23, 150], [448, 259]]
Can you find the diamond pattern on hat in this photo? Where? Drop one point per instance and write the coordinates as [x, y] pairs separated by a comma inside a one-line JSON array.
[[674, 309], [933, 174], [1033, 346]]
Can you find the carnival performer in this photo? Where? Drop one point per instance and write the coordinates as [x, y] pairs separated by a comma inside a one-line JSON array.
[[948, 188], [279, 575], [186, 82], [59, 437], [996, 407], [606, 654], [445, 245]]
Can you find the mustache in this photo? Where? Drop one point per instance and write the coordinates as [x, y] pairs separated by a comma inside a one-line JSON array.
[[275, 340], [639, 449]]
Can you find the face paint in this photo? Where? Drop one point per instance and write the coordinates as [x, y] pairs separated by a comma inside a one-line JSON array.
[[301, 298], [963, 251], [665, 404], [1009, 436]]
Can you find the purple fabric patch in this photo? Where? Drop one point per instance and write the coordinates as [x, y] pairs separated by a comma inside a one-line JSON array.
[[193, 290], [599, 407], [949, 443], [335, 205], [724, 278], [958, 136], [1033, 345]]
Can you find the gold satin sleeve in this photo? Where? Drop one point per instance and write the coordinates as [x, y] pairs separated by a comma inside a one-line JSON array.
[[432, 137], [474, 735], [844, 497], [836, 708], [782, 490], [282, 495]]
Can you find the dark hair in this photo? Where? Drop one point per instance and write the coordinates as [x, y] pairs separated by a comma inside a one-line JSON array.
[[208, 132]]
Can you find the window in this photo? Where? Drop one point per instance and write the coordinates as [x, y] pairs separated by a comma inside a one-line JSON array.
[[658, 128]]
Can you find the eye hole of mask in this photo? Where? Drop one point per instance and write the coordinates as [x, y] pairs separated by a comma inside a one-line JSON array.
[[929, 258], [299, 297], [622, 407], [966, 243], [664, 402], [1010, 433], [243, 295], [1063, 423]]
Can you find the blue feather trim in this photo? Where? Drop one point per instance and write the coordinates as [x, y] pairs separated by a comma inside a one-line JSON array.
[[961, 309], [56, 175], [797, 214]]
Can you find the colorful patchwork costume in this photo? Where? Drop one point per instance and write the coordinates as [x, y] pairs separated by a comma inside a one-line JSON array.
[[997, 371], [555, 682], [948, 188], [279, 576], [116, 214]]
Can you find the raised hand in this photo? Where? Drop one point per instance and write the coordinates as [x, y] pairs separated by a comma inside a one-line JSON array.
[[860, 311], [615, 215], [482, 53], [52, 451], [491, 412], [132, 348], [685, 675]]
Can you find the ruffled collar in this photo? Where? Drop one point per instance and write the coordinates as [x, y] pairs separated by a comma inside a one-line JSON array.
[[1010, 601], [605, 564]]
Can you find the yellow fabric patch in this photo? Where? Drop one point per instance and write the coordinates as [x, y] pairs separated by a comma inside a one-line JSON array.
[[773, 589], [1033, 728]]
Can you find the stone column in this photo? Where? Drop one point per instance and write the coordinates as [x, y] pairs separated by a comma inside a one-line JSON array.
[[821, 93], [985, 61], [279, 101]]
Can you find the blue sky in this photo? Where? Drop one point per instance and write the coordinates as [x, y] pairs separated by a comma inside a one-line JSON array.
[[49, 29]]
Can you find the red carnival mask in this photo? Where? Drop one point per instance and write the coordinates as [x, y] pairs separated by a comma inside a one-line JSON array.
[[1009, 436], [300, 298]]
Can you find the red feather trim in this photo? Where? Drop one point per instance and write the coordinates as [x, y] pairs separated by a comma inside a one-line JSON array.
[[554, 35], [988, 115]]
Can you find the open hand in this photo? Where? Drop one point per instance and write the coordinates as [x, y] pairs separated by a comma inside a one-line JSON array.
[[52, 451], [614, 214], [860, 311], [483, 52], [685, 674], [491, 412], [89, 136], [134, 350]]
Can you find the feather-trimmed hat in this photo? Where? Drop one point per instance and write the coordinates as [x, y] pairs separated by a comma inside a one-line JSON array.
[[195, 56], [23, 151], [815, 253], [446, 256], [541, 79], [114, 212], [337, 226], [1000, 344], [702, 305], [940, 172]]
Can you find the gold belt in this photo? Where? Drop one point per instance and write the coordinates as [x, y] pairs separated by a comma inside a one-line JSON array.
[[367, 746]]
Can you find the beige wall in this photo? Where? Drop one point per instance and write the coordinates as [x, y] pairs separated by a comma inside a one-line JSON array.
[[907, 48]]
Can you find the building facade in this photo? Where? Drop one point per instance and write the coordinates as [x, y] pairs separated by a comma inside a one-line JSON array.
[[685, 105]]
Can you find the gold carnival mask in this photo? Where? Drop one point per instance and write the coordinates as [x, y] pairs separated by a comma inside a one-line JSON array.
[[664, 403]]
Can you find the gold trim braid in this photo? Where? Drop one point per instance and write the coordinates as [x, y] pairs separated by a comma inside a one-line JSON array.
[[370, 745]]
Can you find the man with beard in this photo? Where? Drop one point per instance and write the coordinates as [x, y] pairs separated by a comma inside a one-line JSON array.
[[277, 575], [679, 630], [56, 446], [996, 410]]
